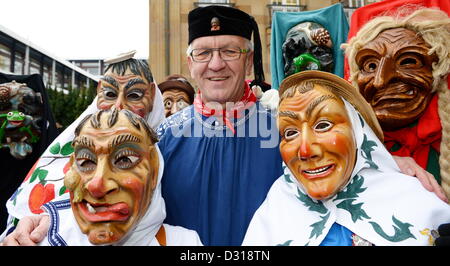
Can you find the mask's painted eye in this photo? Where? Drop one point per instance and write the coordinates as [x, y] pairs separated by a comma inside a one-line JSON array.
[[86, 165], [126, 159], [109, 93], [10, 113], [182, 104], [370, 65], [410, 60], [21, 114], [291, 133], [135, 95], [168, 104], [323, 125], [86, 161]]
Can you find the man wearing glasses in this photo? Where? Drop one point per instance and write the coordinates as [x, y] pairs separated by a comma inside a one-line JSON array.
[[221, 153]]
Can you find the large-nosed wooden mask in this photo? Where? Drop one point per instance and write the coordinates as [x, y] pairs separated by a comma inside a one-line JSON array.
[[128, 86], [396, 76], [113, 174], [317, 142]]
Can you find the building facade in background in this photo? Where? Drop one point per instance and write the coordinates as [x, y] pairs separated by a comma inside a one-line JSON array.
[[21, 57], [169, 27], [95, 67]]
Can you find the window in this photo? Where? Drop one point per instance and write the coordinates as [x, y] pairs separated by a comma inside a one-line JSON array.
[[5, 58], [19, 63], [79, 81], [214, 1], [291, 2], [46, 75], [59, 76], [67, 78], [91, 67], [35, 67], [350, 6], [203, 3], [285, 6]]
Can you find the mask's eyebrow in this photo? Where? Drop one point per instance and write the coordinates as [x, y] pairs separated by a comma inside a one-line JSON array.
[[83, 141], [133, 82], [316, 102], [288, 114], [111, 81], [122, 139]]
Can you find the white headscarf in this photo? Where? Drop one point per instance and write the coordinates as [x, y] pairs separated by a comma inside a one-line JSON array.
[[378, 204], [50, 168]]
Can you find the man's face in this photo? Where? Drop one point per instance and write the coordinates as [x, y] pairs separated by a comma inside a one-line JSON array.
[[396, 76], [221, 81], [174, 101], [116, 172], [130, 91], [317, 142]]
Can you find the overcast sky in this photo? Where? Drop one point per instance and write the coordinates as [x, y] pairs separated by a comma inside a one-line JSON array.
[[80, 29]]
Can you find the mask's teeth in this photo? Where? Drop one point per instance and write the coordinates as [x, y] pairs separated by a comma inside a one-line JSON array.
[[90, 208]]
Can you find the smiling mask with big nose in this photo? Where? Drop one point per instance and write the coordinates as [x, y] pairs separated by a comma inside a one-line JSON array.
[[317, 141]]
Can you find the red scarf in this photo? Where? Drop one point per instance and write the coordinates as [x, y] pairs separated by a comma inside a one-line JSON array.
[[416, 141], [236, 111]]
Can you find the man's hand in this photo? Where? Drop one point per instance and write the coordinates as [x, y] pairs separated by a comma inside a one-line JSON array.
[[29, 231], [409, 167]]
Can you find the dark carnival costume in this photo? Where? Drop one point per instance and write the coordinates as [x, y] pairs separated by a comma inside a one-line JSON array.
[[14, 169]]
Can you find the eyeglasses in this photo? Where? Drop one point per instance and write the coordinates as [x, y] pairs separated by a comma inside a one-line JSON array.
[[202, 55]]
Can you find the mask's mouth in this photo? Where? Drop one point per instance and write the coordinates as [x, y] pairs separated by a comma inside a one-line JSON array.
[[395, 95], [318, 172], [104, 212]]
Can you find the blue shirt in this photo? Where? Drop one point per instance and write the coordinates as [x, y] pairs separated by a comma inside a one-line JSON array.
[[338, 236], [215, 180]]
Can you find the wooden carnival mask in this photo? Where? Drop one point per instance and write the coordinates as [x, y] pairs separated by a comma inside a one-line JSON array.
[[307, 46], [396, 76], [174, 101], [317, 142], [113, 174], [177, 94], [127, 85]]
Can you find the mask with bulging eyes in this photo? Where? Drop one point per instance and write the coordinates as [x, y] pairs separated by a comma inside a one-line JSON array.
[[307, 46], [174, 101]]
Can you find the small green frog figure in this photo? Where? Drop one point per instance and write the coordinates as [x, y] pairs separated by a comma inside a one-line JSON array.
[[306, 62], [22, 122]]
